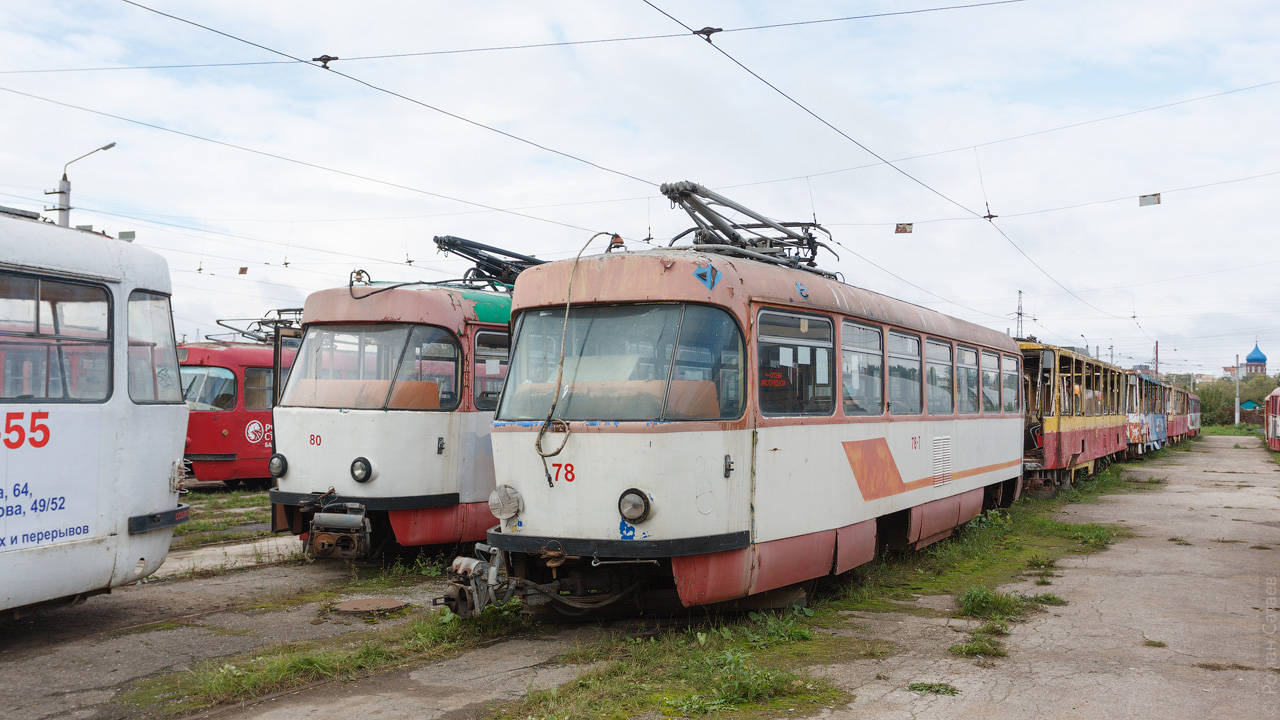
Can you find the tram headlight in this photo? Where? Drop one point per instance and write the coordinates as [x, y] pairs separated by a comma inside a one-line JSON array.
[[634, 506], [505, 502], [362, 471], [277, 466]]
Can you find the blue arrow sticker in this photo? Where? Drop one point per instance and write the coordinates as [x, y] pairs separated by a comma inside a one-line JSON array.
[[800, 289], [709, 276]]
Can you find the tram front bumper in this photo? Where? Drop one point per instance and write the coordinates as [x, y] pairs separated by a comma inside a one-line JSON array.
[[159, 520]]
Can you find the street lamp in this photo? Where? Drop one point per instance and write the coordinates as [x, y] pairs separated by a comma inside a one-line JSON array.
[[64, 190]]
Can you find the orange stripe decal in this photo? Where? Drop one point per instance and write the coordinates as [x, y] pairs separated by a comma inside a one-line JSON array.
[[876, 472], [874, 468]]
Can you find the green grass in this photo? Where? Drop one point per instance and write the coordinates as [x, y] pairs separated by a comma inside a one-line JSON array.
[[1240, 429], [983, 646], [1154, 643], [219, 516], [722, 665], [935, 688], [292, 665]]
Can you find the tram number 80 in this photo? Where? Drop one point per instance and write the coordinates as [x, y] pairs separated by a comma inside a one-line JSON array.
[[315, 440]]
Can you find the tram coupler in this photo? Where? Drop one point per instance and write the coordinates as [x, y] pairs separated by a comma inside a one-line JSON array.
[[476, 582], [340, 529]]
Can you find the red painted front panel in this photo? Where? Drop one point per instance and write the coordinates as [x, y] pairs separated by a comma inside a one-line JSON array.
[[1098, 442], [436, 526], [712, 577], [245, 433], [791, 560], [1177, 425], [855, 545]]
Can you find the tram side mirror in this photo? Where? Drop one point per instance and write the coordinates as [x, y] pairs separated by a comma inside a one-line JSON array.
[[1046, 359]]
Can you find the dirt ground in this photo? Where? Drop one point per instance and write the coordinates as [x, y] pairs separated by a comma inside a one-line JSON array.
[[1211, 599]]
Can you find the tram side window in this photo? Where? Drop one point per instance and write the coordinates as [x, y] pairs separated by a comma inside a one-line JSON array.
[[490, 367], [55, 340], [153, 354], [990, 382], [258, 385], [905, 379], [938, 377], [428, 373], [967, 380], [208, 388], [1011, 384], [862, 370], [795, 364]]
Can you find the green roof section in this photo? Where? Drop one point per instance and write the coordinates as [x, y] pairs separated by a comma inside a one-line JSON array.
[[492, 307]]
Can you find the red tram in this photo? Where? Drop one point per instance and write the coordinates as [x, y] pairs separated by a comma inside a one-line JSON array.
[[1272, 427], [230, 390]]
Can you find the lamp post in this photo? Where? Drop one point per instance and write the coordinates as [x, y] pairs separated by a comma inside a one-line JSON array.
[[64, 190]]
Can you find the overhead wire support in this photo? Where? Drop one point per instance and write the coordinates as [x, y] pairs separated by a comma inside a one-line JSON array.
[[871, 152], [393, 93]]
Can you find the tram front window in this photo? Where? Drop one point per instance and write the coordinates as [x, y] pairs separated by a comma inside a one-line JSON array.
[[632, 362], [375, 367], [208, 388]]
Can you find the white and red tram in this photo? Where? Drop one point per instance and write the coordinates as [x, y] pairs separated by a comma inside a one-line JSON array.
[[715, 427], [93, 414]]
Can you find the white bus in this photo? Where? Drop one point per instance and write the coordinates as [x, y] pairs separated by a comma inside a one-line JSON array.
[[92, 419]]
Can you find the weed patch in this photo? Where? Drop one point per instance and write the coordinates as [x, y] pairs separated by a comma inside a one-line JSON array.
[[1178, 541], [1154, 643], [979, 646], [935, 688]]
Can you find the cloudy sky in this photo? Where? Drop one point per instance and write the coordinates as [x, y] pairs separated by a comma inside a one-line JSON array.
[[534, 125]]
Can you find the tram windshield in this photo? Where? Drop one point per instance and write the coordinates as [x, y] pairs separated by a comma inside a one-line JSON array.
[[374, 367], [629, 362], [208, 388]]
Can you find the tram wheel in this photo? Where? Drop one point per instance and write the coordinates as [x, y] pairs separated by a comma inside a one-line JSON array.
[[1041, 488]]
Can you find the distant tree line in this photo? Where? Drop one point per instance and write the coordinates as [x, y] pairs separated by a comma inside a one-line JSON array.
[[1217, 398]]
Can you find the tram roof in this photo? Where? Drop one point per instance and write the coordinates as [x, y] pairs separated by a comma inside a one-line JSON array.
[[36, 246], [1074, 352], [436, 304], [673, 275]]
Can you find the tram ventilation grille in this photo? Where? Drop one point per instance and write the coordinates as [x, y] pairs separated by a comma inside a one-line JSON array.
[[941, 460]]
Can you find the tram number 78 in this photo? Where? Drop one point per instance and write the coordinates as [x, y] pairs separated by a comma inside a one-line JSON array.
[[568, 471], [36, 435]]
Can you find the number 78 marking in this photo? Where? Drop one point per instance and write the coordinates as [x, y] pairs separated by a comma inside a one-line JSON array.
[[568, 471]]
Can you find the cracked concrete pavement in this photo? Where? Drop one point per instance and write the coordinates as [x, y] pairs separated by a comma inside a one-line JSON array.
[[1207, 601]]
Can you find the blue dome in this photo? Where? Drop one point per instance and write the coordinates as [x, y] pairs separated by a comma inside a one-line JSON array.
[[1256, 356]]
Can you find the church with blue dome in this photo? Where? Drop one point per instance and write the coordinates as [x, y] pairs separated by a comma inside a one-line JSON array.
[[1255, 362]]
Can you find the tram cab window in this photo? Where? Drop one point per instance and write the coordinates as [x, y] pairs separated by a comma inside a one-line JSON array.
[[153, 353], [1011, 384], [649, 362], [489, 367], [388, 366], [905, 378], [55, 340], [257, 388], [208, 388], [795, 364], [967, 381], [938, 377], [862, 370]]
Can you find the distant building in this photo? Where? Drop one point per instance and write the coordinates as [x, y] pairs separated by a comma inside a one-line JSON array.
[[1249, 405], [1255, 363], [1202, 378], [1229, 372]]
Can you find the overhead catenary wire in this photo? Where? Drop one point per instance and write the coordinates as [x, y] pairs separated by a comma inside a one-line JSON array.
[[294, 161], [393, 93], [525, 46]]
